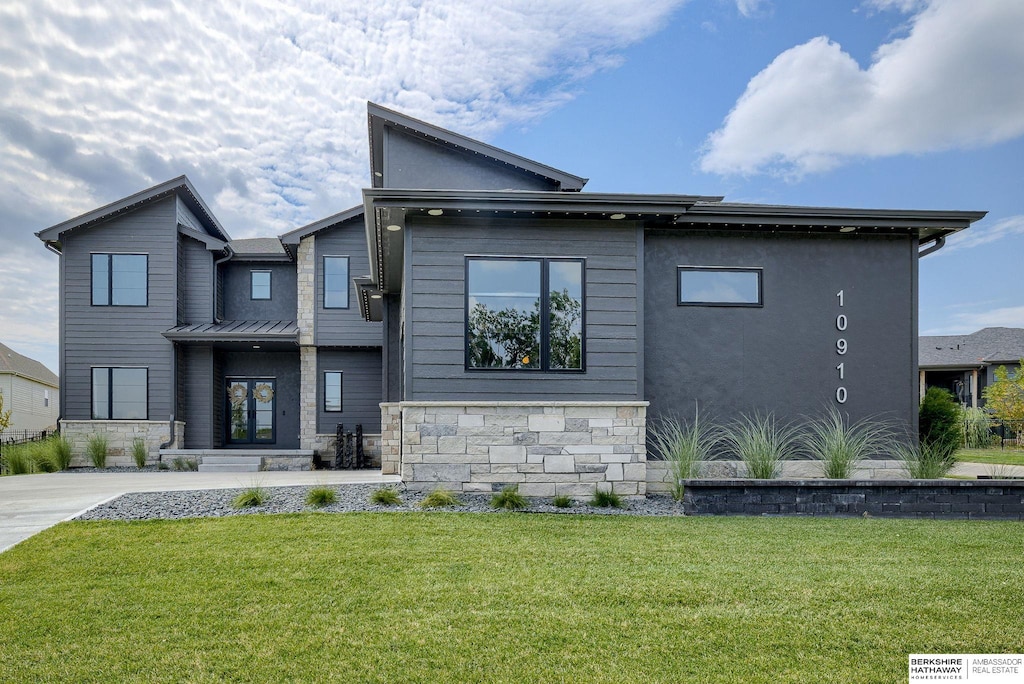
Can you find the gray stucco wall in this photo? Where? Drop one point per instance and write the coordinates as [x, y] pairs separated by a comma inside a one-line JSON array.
[[412, 162], [282, 367], [782, 357], [360, 389], [239, 306], [344, 327], [435, 314], [119, 335]]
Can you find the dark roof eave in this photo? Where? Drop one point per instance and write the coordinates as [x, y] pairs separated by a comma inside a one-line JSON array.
[[293, 237], [521, 200], [378, 117]]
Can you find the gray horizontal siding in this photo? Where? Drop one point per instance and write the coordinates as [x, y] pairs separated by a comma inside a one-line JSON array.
[[344, 327], [361, 389], [120, 336], [436, 316], [195, 282], [197, 382]]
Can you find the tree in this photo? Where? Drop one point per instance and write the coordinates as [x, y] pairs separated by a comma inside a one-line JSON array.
[[5, 416], [1005, 397]]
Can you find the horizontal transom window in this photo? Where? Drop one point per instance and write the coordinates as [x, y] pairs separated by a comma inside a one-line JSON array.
[[719, 286], [525, 313]]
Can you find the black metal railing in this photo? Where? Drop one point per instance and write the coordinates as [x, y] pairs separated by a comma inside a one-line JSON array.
[[348, 449]]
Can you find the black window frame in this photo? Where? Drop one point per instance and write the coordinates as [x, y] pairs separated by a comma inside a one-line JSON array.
[[348, 278], [110, 391], [252, 285], [545, 314], [720, 269], [110, 278], [341, 391]]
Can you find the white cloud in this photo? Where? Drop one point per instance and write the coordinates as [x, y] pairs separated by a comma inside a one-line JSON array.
[[955, 81], [262, 104], [749, 8], [968, 322], [984, 233]]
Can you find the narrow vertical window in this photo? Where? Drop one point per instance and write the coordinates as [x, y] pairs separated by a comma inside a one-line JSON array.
[[260, 284], [100, 279], [335, 282], [46, 398], [565, 312], [332, 391], [101, 394]]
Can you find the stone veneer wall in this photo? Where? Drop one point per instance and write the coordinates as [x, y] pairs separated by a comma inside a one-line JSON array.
[[121, 435], [546, 448], [390, 438], [305, 275], [658, 476]]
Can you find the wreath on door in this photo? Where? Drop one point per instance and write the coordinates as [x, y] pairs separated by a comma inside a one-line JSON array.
[[238, 393], [263, 393]]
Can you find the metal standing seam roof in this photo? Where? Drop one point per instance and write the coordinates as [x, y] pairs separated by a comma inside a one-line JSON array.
[[985, 347], [235, 331], [19, 364]]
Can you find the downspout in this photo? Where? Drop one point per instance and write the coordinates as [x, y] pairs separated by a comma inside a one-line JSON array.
[[939, 243], [174, 399], [217, 263]]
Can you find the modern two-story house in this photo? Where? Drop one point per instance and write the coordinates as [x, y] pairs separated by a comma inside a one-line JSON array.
[[483, 318]]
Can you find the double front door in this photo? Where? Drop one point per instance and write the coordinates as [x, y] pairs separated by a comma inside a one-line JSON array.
[[250, 410]]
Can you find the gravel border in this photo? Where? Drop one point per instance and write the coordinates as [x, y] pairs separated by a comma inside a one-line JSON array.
[[351, 498]]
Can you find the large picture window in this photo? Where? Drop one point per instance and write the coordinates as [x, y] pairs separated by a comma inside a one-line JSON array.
[[120, 279], [335, 282], [120, 393], [525, 313], [719, 286]]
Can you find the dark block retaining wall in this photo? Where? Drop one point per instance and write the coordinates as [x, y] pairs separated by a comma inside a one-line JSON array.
[[961, 499]]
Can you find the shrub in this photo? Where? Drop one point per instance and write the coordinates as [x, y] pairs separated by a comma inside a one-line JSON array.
[[510, 499], [926, 460], [977, 434], [439, 498], [762, 444], [840, 446], [684, 446], [562, 501], [321, 496], [250, 498], [182, 463], [940, 422], [61, 449], [386, 496], [139, 453], [603, 499], [96, 448]]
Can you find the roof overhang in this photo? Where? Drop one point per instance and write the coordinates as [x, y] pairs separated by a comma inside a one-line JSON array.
[[387, 210], [952, 366], [212, 244], [180, 186], [235, 331], [292, 238], [371, 299], [380, 118]]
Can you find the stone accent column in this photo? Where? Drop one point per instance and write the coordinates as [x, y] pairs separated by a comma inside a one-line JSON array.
[[305, 272], [390, 438]]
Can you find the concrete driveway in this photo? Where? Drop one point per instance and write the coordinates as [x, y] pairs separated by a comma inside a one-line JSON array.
[[31, 503]]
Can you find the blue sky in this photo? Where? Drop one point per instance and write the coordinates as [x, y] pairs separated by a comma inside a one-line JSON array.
[[868, 103]]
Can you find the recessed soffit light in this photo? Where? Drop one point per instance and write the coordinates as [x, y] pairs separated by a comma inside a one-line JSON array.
[[375, 296], [394, 227], [435, 212], [847, 229], [255, 346], [616, 217]]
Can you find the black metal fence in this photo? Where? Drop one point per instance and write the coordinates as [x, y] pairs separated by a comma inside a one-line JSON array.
[[1008, 433], [9, 438]]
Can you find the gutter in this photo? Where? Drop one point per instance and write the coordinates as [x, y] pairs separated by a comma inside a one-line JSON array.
[[939, 244]]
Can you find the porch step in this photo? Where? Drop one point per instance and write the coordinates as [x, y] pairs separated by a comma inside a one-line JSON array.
[[231, 464]]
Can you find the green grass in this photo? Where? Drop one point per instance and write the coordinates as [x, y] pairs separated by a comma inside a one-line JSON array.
[[456, 597], [1005, 456]]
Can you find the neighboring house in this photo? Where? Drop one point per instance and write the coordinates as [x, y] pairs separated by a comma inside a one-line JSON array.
[[511, 328], [965, 364], [31, 392]]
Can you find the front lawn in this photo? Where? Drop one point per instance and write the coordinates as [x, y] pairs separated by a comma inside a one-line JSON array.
[[996, 456], [519, 597]]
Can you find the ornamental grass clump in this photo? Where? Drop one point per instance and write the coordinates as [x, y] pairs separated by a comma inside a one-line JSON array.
[[603, 499], [439, 498], [510, 499], [139, 453], [840, 446], [60, 448], [926, 460], [562, 501], [386, 496], [96, 449], [251, 498], [977, 433], [18, 460], [321, 496], [762, 443], [684, 446]]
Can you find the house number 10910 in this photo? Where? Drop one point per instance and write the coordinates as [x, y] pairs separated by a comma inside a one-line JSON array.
[[841, 348]]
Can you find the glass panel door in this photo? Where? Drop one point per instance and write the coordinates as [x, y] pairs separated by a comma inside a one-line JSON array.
[[250, 409]]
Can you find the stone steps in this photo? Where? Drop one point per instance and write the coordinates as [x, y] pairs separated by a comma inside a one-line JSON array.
[[231, 464]]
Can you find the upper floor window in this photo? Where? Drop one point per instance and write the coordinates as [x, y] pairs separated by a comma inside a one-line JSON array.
[[525, 313], [335, 282], [719, 286], [120, 393], [120, 280], [259, 284]]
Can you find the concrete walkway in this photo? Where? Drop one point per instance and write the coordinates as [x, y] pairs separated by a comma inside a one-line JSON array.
[[976, 469], [32, 503]]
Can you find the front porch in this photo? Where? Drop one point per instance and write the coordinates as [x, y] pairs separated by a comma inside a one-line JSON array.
[[241, 460]]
